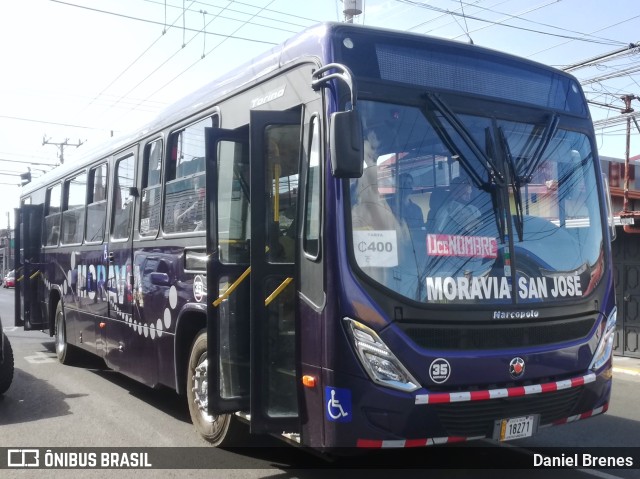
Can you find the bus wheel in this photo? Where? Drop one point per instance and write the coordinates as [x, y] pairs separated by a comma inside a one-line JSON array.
[[6, 365], [221, 430], [62, 347]]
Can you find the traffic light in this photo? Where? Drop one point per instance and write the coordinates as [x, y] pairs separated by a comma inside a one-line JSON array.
[[25, 178]]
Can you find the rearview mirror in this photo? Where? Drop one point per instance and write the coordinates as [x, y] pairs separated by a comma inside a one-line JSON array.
[[345, 143]]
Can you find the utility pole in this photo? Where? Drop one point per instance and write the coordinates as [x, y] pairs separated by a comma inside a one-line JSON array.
[[61, 146], [8, 242], [626, 212], [352, 8]]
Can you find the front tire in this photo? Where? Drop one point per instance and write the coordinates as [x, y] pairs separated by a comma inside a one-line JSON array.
[[222, 430], [63, 350], [6, 367]]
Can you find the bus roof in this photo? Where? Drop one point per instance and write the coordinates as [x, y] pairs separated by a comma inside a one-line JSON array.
[[310, 43]]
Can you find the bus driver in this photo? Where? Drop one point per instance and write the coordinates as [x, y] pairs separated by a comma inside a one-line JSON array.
[[458, 215]]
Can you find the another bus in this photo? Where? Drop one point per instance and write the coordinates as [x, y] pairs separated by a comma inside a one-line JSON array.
[[250, 248]]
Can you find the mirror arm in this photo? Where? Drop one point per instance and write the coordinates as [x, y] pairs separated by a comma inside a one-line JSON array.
[[343, 74]]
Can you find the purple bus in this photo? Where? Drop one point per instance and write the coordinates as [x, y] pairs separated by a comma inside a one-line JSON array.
[[361, 239]]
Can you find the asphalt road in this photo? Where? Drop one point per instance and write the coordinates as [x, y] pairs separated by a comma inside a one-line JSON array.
[[90, 406]]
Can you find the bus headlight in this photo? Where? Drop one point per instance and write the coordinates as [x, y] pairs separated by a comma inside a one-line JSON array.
[[605, 347], [378, 361]]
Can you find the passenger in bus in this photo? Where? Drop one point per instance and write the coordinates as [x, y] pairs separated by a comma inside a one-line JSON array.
[[53, 236], [458, 215], [371, 145], [370, 211], [408, 211]]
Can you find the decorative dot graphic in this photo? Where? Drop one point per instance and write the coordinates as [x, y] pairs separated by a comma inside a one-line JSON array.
[[159, 327], [173, 297], [167, 319], [147, 330]]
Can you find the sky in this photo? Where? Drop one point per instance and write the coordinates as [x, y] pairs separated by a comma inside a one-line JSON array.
[[79, 71]]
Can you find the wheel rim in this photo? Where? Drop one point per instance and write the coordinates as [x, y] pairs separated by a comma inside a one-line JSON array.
[[61, 337], [201, 388]]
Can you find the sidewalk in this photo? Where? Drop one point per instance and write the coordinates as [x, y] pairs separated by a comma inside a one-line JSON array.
[[626, 365]]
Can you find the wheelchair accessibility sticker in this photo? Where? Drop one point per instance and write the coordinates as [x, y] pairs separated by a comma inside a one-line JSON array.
[[338, 404]]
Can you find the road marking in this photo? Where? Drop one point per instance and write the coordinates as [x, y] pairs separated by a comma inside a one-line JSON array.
[[591, 472], [41, 358], [632, 372], [597, 473]]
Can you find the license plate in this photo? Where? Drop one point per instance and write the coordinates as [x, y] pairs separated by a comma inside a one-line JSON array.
[[516, 427]]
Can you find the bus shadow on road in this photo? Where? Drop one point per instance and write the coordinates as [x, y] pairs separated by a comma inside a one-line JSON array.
[[81, 359], [31, 399], [163, 399]]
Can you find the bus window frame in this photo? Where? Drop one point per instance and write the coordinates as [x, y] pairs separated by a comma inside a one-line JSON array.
[[170, 172], [130, 154], [65, 207], [315, 122], [105, 201], [48, 196], [144, 179]]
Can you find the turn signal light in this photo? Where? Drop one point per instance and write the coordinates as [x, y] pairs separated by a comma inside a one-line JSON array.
[[309, 381]]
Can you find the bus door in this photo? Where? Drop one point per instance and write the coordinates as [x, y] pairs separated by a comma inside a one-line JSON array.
[[119, 254], [29, 291], [274, 163], [228, 268]]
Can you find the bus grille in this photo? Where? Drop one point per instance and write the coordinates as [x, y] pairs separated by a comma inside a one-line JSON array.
[[478, 418], [495, 335]]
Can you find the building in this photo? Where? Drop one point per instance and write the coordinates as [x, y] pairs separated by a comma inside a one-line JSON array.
[[626, 256]]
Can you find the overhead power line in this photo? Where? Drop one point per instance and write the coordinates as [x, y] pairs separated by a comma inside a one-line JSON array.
[[33, 120], [606, 56], [610, 76], [518, 16], [517, 27], [130, 17], [263, 9], [184, 28], [615, 120], [27, 162], [198, 60], [61, 146], [226, 9]]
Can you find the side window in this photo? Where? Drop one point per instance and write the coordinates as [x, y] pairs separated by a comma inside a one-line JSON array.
[[97, 207], [234, 214], [184, 208], [313, 197], [73, 214], [122, 202], [283, 154], [51, 233], [150, 203]]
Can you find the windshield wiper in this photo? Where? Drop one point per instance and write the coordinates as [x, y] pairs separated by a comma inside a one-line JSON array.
[[547, 134], [488, 163], [515, 183], [496, 197]]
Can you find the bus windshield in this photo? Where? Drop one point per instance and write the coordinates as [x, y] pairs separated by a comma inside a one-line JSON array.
[[466, 208]]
